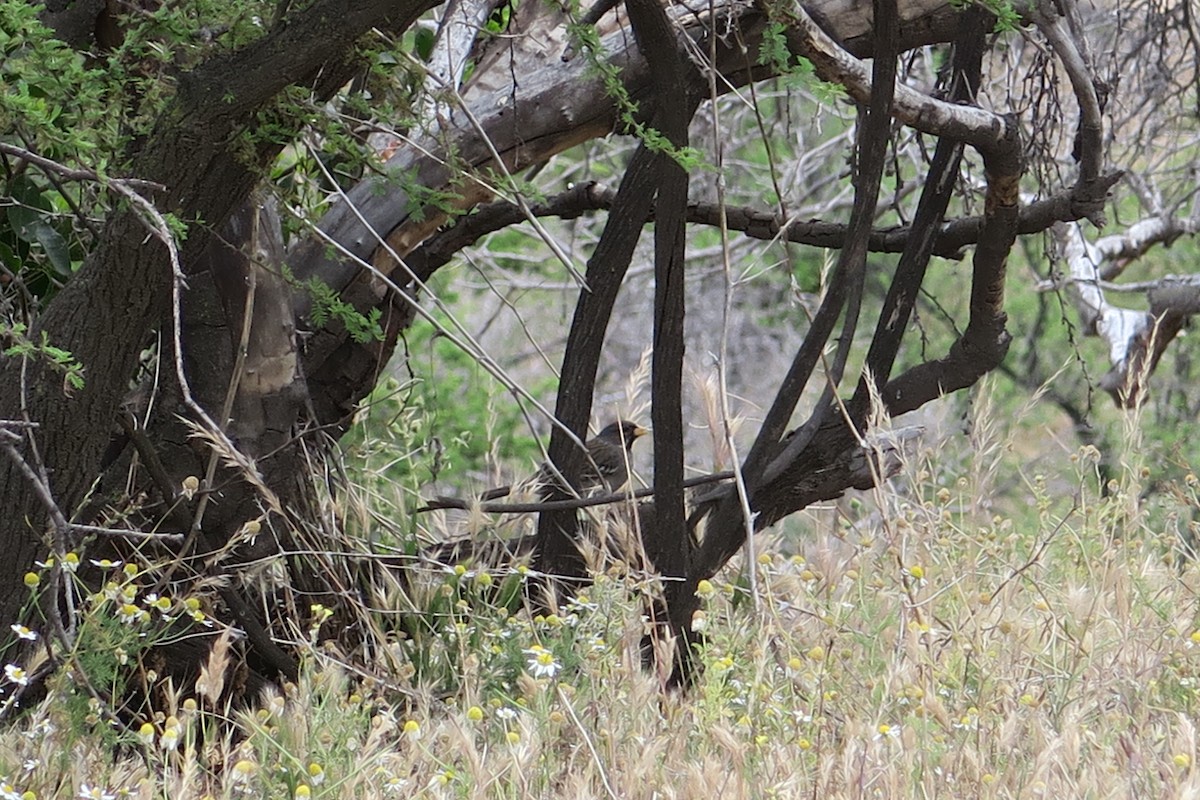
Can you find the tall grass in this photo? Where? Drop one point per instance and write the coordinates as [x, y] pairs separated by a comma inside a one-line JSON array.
[[936, 637]]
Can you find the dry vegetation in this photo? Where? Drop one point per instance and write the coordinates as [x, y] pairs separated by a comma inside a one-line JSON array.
[[945, 636]]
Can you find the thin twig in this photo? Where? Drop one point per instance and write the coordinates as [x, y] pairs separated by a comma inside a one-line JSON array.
[[76, 174], [439, 503]]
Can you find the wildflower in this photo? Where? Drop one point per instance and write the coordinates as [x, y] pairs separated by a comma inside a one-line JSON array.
[[317, 773], [1182, 760], [24, 633], [507, 713], [699, 620], [170, 737], [804, 744], [104, 563], [303, 792], [128, 612], [542, 663], [94, 793], [145, 734], [582, 602], [163, 604], [969, 720], [130, 570], [885, 731], [191, 485], [704, 589], [513, 737], [276, 705], [475, 714], [244, 771], [16, 675], [412, 729], [917, 571], [7, 791], [395, 785], [192, 606], [32, 579]]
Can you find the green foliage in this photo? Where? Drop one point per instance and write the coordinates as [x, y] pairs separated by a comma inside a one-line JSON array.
[[424, 40], [24, 347], [773, 52], [1007, 17], [441, 425], [37, 240], [588, 41], [500, 17], [420, 198], [329, 305], [117, 625], [47, 91]]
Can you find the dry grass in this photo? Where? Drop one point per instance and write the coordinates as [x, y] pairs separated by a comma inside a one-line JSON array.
[[930, 640]]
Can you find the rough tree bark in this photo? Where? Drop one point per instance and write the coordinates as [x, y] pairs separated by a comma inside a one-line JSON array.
[[126, 284]]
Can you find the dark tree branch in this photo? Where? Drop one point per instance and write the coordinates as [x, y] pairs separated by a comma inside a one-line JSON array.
[[985, 341], [666, 540], [872, 153], [557, 554], [587, 196], [725, 532], [561, 505], [931, 209]]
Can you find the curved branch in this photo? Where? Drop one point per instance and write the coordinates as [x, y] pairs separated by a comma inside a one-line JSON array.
[[971, 124]]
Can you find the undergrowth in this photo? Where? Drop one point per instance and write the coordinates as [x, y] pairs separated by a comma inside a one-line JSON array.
[[932, 638]]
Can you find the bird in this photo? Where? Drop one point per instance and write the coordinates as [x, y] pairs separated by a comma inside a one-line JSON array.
[[607, 466]]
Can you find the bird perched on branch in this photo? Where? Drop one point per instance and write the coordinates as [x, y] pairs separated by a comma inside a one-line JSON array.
[[607, 466]]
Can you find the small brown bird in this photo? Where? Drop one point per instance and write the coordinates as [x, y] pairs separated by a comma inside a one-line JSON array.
[[607, 465]]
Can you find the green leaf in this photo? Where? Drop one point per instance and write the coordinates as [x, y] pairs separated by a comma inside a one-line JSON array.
[[424, 43], [55, 246]]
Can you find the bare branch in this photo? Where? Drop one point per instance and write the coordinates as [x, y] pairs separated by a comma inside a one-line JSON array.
[[975, 126], [75, 174], [1136, 339]]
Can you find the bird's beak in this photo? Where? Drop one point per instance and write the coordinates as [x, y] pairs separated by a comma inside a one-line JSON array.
[[640, 431]]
